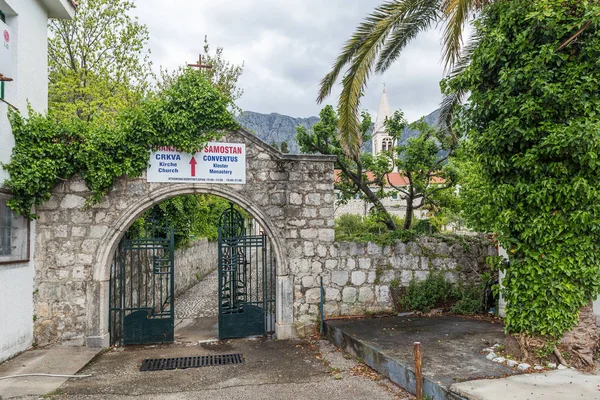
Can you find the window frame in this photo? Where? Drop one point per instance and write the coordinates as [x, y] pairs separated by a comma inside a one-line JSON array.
[[4, 196]]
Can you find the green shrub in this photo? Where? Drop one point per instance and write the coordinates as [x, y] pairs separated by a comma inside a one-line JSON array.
[[426, 294], [437, 292], [354, 228], [424, 226], [470, 300]]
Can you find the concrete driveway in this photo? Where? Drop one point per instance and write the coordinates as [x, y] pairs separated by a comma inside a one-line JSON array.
[[271, 370]]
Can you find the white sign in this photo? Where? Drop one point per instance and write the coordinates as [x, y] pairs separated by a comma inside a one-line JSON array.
[[217, 163], [6, 39]]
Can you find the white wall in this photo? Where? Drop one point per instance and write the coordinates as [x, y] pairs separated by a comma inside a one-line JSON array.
[[16, 309], [28, 21]]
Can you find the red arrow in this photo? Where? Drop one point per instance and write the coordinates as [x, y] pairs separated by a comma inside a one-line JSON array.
[[193, 164]]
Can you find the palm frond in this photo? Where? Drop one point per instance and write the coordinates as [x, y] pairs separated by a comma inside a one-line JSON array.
[[410, 18], [454, 99], [361, 53], [456, 14], [372, 33], [350, 49]]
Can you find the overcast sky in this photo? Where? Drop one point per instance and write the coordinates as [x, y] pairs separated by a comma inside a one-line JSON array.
[[287, 47]]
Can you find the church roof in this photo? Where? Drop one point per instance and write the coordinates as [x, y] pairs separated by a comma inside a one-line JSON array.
[[382, 113], [395, 178]]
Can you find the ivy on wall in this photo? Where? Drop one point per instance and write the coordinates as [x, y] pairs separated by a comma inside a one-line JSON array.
[[185, 115], [534, 140]]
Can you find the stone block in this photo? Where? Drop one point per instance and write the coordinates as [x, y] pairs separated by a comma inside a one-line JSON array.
[[364, 263], [72, 201], [382, 294], [313, 199], [98, 231], [322, 251], [373, 249], [83, 258], [296, 199], [326, 212], [297, 222], [331, 264], [371, 276], [326, 235], [349, 295], [339, 278], [278, 198], [332, 294], [64, 259], [523, 367], [317, 267], [308, 281], [78, 231], [313, 296], [358, 278], [309, 249], [309, 233], [351, 264], [406, 276], [309, 212], [365, 295]]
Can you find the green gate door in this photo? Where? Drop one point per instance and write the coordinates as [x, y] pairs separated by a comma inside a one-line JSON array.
[[246, 279], [142, 286]]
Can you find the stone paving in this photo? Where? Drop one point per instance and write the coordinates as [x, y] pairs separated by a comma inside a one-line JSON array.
[[200, 300]]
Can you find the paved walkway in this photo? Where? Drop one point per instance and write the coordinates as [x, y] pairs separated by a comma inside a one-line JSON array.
[[200, 300], [54, 361], [272, 369]]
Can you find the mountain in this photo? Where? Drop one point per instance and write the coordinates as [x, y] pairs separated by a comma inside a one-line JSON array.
[[282, 128], [275, 127]]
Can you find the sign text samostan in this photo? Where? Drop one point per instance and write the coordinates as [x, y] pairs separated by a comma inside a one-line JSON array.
[[216, 163]]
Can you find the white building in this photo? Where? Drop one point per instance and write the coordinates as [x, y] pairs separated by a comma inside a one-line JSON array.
[[380, 139], [24, 71]]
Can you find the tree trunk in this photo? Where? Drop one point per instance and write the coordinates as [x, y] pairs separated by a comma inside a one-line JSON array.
[[582, 341], [387, 218], [409, 213]]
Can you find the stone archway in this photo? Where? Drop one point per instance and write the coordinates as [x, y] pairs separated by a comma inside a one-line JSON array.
[[291, 196]]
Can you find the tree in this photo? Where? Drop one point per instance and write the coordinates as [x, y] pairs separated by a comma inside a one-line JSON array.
[[97, 62], [534, 139], [223, 75], [423, 161], [378, 41], [356, 174], [284, 147], [197, 215]]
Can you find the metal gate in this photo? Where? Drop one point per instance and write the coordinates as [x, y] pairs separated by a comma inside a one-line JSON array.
[[142, 286], [246, 279]]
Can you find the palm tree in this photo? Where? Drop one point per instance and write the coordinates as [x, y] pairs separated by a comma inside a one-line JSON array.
[[379, 40]]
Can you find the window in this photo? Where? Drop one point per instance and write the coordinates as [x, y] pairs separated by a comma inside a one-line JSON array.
[[387, 144], [14, 234]]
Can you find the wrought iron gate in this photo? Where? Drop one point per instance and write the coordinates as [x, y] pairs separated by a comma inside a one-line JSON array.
[[142, 286], [246, 279]]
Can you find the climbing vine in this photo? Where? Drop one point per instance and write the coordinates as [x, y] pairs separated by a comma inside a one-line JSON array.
[[186, 115], [534, 140]]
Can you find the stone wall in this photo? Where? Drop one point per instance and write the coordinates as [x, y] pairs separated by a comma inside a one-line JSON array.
[[357, 276], [290, 196], [193, 263]]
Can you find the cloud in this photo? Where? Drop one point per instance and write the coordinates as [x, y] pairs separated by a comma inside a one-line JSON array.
[[287, 47]]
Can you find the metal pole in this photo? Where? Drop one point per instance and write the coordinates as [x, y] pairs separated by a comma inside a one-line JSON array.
[[418, 372], [322, 306]]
